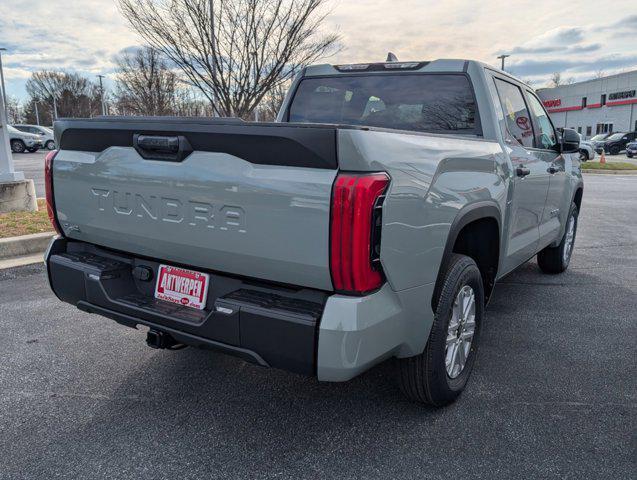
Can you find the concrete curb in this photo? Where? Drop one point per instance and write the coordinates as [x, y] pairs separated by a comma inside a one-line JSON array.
[[24, 245], [21, 261], [611, 172]]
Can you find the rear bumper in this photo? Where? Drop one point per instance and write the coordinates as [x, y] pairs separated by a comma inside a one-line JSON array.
[[310, 332], [272, 326]]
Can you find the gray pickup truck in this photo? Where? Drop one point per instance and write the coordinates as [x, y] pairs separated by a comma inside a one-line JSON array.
[[370, 221]]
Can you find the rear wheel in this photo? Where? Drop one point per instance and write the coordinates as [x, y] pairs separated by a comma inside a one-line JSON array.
[[439, 374], [557, 259], [18, 146], [614, 150], [629, 155], [50, 145]]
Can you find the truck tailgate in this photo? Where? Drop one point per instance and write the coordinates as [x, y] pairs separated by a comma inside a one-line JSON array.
[[250, 200]]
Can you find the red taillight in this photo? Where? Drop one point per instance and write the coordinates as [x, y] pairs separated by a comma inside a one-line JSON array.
[[48, 188], [354, 199]]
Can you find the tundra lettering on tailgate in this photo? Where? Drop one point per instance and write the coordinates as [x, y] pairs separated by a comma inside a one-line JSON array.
[[169, 209]]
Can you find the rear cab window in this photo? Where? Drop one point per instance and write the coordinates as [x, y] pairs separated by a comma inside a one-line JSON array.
[[436, 103]]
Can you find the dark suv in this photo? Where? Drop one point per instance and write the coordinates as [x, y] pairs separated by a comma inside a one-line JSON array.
[[617, 142]]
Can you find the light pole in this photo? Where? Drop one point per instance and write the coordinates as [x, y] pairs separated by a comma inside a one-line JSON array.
[[7, 173], [502, 57], [102, 94], [4, 93], [37, 114]]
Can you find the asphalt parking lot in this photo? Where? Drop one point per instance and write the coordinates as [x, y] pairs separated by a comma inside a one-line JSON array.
[[32, 164], [553, 393]]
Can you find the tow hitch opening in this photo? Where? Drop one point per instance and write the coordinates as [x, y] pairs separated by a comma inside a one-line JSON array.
[[161, 340]]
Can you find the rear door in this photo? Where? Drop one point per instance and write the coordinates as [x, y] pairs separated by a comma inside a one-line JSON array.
[[529, 176]]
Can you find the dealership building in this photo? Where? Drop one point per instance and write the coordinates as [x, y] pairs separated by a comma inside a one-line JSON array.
[[607, 104]]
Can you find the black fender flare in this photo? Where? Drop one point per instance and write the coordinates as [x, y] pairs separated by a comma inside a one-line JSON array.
[[467, 214]]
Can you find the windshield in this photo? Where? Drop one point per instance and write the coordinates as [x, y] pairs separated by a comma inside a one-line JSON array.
[[616, 136], [441, 103], [599, 137]]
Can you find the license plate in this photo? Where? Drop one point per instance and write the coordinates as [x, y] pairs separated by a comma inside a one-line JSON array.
[[182, 286]]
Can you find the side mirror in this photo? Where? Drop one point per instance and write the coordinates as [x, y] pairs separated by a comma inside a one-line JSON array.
[[570, 141]]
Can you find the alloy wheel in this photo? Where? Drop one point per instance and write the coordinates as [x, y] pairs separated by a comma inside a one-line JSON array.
[[462, 326]]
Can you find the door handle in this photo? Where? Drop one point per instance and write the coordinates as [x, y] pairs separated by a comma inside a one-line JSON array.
[[522, 171], [552, 169]]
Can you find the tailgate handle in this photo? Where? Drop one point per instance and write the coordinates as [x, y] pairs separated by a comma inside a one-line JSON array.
[[162, 147]]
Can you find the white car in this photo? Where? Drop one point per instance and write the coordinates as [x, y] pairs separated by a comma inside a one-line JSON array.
[[23, 142], [586, 149], [45, 133]]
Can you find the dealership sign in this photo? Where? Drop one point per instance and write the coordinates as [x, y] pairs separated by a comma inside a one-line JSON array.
[[552, 103], [620, 95]]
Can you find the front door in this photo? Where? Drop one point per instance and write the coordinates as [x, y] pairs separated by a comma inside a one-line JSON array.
[[547, 150]]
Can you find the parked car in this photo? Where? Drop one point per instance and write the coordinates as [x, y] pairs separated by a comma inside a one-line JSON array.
[[617, 142], [598, 141], [22, 141], [586, 150], [371, 221], [45, 133], [631, 149]]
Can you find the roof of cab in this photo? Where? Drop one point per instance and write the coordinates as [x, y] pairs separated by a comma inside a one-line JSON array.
[[442, 65]]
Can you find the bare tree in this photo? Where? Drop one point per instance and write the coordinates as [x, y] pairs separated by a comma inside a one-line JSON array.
[[234, 51], [271, 103], [556, 79], [70, 93], [188, 103], [599, 74], [15, 113], [145, 84]]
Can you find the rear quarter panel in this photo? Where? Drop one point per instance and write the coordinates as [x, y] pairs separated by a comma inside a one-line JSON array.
[[433, 177]]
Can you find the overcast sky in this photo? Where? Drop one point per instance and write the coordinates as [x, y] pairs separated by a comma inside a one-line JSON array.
[[576, 38]]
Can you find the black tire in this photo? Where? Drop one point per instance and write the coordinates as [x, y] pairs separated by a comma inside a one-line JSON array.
[[553, 259], [614, 150], [583, 155], [424, 378], [18, 146], [50, 145], [629, 155]]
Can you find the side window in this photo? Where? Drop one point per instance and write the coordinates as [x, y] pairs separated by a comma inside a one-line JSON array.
[[517, 126], [545, 138]]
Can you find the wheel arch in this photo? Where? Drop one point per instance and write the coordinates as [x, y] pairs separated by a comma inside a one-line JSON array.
[[480, 216]]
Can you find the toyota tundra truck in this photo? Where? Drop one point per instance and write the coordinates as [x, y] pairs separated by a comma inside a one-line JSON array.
[[370, 221]]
